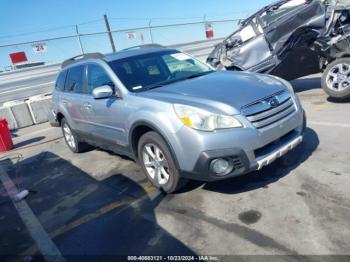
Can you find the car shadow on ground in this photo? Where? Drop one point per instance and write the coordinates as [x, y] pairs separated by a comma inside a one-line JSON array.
[[87, 217], [268, 175], [338, 101], [29, 141], [305, 84]]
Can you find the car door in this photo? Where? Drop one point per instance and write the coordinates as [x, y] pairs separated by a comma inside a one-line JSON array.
[[280, 24], [74, 99], [290, 30], [253, 48], [106, 118]]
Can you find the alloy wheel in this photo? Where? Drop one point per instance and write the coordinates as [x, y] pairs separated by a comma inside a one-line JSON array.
[[156, 164], [69, 136], [338, 77]]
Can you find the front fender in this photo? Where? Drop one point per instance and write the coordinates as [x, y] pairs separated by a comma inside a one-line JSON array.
[[165, 122]]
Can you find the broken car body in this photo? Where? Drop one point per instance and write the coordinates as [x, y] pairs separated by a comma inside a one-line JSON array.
[[291, 39]]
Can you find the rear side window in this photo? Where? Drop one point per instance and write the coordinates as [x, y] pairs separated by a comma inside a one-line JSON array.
[[75, 79], [96, 77], [61, 80]]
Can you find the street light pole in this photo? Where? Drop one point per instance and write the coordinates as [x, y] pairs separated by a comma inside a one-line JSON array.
[[109, 33]]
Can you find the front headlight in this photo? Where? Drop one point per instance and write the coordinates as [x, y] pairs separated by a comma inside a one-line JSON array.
[[204, 120]]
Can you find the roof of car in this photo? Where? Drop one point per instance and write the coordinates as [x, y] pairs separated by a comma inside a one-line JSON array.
[[134, 52]]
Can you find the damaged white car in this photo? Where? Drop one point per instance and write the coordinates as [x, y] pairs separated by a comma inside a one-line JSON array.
[[291, 39]]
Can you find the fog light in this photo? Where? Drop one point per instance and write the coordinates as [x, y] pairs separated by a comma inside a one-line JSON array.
[[220, 166]]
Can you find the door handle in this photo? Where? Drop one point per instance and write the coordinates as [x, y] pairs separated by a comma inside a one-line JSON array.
[[65, 102], [87, 105]]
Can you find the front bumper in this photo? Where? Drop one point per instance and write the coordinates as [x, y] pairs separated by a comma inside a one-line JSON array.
[[269, 158], [251, 149], [241, 162]]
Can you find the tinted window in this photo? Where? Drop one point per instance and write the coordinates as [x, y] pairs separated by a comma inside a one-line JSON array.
[[60, 80], [75, 79], [96, 77], [139, 73]]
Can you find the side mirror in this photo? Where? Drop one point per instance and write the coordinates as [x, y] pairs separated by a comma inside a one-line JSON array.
[[102, 92]]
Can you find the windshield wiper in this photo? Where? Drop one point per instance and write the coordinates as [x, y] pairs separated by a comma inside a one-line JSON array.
[[160, 84], [155, 86], [197, 75]]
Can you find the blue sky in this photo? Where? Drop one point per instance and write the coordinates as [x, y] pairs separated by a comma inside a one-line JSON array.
[[23, 21]]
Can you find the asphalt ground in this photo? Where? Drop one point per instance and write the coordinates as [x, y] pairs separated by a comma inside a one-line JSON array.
[[100, 204]]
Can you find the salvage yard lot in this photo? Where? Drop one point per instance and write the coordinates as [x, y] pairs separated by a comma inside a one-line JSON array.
[[99, 203]]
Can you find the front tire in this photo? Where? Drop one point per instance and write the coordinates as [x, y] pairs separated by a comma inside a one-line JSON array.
[[158, 163], [336, 78]]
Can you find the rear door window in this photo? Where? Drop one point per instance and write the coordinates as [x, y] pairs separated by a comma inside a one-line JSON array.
[[75, 80], [96, 77], [61, 79]]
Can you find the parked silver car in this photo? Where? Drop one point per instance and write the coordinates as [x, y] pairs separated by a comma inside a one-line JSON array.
[[175, 115]]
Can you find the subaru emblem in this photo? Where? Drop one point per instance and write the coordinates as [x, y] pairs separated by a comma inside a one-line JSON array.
[[274, 102]]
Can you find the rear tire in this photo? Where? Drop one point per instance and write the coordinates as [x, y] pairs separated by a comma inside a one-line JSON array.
[[336, 78], [72, 139], [158, 163]]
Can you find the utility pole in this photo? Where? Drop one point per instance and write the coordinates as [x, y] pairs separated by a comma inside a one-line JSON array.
[[150, 30], [109, 32], [78, 35]]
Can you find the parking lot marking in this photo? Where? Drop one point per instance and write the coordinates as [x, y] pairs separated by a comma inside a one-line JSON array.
[[328, 124], [44, 243], [103, 210], [90, 217], [152, 193]]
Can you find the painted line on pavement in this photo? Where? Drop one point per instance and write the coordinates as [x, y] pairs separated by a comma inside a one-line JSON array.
[[15, 79], [24, 85], [15, 89], [44, 243], [151, 194], [328, 124]]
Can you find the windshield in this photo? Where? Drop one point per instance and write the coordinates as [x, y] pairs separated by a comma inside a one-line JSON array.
[[140, 73], [276, 12]]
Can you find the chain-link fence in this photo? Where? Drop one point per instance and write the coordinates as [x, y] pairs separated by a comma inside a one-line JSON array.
[[55, 50]]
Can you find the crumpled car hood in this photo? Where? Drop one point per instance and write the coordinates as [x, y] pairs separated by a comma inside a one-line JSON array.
[[224, 91]]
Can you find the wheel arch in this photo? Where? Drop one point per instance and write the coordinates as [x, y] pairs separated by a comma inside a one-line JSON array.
[[59, 117], [141, 127]]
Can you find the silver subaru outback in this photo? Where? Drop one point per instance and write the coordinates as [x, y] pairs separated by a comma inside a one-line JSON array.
[[174, 114]]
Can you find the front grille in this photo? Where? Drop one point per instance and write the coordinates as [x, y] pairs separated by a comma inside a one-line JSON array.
[[269, 110]]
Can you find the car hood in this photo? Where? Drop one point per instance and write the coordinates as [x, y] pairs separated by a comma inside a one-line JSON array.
[[223, 91]]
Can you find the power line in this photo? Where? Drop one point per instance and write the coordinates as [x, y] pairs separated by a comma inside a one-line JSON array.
[[49, 29], [37, 32], [97, 21]]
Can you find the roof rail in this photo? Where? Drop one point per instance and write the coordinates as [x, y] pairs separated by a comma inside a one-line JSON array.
[[144, 46], [82, 57]]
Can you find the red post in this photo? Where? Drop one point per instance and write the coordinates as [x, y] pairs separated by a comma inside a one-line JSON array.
[[6, 143], [209, 31]]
